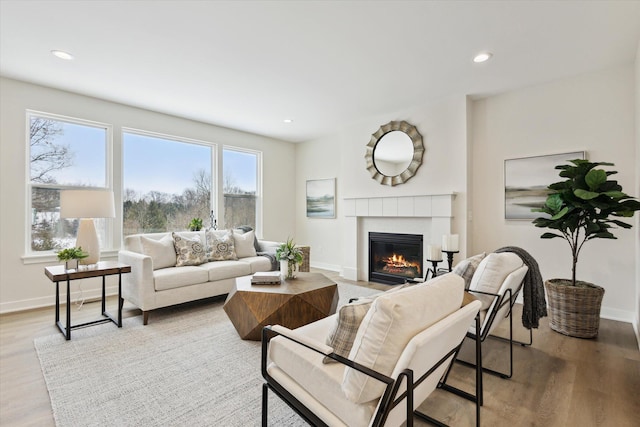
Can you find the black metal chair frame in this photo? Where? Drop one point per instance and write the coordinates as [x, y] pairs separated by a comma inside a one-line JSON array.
[[390, 398], [501, 301]]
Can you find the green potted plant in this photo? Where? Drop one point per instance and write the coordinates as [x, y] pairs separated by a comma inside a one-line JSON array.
[[71, 256], [290, 258], [581, 208], [195, 224]]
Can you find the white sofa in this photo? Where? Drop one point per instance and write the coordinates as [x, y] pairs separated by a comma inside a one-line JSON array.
[[155, 281]]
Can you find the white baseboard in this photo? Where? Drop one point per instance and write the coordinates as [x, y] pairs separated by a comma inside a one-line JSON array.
[[350, 273], [50, 301], [615, 314], [323, 266]]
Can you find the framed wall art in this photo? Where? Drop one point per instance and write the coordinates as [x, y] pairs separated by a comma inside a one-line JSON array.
[[526, 180], [321, 198]]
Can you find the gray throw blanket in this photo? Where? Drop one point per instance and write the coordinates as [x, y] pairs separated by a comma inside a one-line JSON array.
[[535, 304]]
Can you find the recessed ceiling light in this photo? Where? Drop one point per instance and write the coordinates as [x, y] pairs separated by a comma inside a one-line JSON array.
[[62, 54], [482, 57], [288, 120]]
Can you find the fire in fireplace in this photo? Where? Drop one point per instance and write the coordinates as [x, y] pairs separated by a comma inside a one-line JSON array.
[[394, 258]]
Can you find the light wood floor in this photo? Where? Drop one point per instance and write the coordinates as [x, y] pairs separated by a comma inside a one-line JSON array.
[[558, 381]]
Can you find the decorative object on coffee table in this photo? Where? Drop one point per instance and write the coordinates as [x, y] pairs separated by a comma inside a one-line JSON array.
[[581, 208], [290, 258], [312, 296]]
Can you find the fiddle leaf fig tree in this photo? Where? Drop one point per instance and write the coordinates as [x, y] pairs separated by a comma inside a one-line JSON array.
[[584, 206]]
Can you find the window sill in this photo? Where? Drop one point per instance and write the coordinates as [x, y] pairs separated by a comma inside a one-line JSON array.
[[48, 258]]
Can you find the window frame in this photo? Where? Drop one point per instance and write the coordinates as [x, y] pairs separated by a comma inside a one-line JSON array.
[[108, 244], [259, 198]]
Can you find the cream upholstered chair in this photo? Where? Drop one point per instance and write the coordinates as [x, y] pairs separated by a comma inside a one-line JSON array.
[[402, 351], [497, 281]]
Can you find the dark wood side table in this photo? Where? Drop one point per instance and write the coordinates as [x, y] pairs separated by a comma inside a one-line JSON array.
[[57, 274]]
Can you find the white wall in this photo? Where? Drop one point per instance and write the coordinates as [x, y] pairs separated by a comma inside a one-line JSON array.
[[592, 112], [636, 324], [340, 154], [25, 285]]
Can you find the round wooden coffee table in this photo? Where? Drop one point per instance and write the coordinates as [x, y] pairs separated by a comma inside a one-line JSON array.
[[293, 303]]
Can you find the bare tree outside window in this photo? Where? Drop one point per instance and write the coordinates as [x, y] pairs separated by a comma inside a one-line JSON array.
[[46, 155]]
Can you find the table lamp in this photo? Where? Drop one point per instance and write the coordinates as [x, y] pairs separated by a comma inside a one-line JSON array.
[[87, 205]]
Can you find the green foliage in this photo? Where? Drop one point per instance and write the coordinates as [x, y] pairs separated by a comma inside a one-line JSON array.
[[72, 253], [195, 224], [289, 252], [584, 206]]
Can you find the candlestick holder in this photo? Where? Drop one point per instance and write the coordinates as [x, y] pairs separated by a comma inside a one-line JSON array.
[[450, 258], [433, 270]]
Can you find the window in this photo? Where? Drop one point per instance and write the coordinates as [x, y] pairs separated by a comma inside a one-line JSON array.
[[240, 171], [64, 153], [167, 182]]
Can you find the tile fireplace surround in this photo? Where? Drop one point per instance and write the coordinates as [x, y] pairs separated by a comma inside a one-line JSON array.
[[429, 215]]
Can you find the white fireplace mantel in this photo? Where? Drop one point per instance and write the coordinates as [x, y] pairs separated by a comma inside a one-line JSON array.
[[429, 215]]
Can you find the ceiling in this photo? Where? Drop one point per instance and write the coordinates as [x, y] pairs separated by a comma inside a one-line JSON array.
[[324, 64]]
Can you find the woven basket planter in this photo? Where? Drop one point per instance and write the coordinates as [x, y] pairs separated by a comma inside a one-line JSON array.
[[574, 310]]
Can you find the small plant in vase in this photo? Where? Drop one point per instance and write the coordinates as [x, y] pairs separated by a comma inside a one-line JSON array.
[[290, 258], [70, 256], [195, 224]]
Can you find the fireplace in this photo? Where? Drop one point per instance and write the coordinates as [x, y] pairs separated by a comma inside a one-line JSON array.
[[394, 258]]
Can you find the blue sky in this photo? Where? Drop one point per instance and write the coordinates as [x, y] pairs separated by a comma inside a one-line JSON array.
[[150, 163]]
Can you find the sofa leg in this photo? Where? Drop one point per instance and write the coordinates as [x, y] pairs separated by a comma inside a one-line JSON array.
[[145, 317]]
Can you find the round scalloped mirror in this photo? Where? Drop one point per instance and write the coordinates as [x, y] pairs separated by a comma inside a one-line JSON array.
[[394, 153]]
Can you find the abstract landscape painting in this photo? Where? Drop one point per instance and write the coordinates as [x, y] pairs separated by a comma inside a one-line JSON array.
[[526, 181], [321, 198]]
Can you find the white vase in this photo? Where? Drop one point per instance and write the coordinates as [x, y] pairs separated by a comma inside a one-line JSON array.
[[71, 264], [288, 269]]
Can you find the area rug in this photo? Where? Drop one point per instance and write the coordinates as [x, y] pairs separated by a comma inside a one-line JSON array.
[[186, 367]]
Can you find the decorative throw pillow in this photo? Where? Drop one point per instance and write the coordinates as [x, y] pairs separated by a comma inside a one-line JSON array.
[[189, 250], [244, 243], [220, 245], [344, 332], [162, 252], [491, 273], [467, 267], [246, 229], [391, 322]]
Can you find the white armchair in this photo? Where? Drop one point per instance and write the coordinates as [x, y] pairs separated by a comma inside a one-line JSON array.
[[497, 282], [402, 351]]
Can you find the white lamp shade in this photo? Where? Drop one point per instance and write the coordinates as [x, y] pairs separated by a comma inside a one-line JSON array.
[[87, 204]]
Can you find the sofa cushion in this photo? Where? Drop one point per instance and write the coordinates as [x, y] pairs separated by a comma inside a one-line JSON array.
[[220, 270], [244, 245], [467, 267], [162, 252], [189, 250], [220, 245], [325, 383], [490, 274], [389, 325], [257, 263], [177, 277]]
